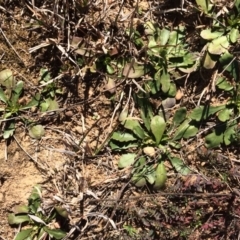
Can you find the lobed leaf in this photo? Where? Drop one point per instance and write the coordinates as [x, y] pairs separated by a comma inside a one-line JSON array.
[[234, 35], [17, 219], [203, 112], [209, 60], [223, 84], [134, 70], [126, 160], [224, 115], [122, 145], [180, 116], [207, 34], [213, 139], [36, 131], [135, 127], [186, 130], [230, 134], [55, 233], [3, 97], [138, 180], [164, 36], [205, 5], [179, 165], [7, 79], [218, 45], [9, 130], [17, 91], [24, 234], [123, 137]]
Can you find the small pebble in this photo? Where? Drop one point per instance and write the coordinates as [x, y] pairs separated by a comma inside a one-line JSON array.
[[69, 113], [179, 95]]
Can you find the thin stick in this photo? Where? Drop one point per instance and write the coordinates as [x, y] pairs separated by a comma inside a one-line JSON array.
[[167, 194], [34, 160], [11, 45]]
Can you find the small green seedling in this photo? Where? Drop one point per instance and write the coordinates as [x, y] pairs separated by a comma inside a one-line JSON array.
[[49, 91], [35, 224], [10, 99], [151, 135]]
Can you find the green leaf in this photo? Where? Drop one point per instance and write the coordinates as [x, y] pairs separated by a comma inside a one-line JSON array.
[[138, 180], [230, 64], [230, 134], [123, 137], [7, 79], [150, 177], [61, 211], [207, 34], [135, 71], [141, 162], [149, 28], [172, 90], [17, 219], [237, 5], [223, 84], [165, 82], [134, 126], [123, 115], [24, 234], [182, 60], [3, 97], [190, 131], [17, 91], [215, 138], [126, 160], [190, 69], [164, 36], [175, 38], [36, 131], [44, 106], [205, 5], [224, 115], [44, 75], [7, 115], [186, 130], [180, 116], [33, 103], [203, 112], [146, 111], [21, 209], [53, 105], [210, 60], [160, 176], [122, 145], [218, 45], [9, 131], [110, 69], [37, 219], [175, 145], [179, 165], [154, 48], [111, 85], [234, 35], [36, 193], [55, 233], [158, 126]]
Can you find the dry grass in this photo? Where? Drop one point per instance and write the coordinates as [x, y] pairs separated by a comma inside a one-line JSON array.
[[71, 38]]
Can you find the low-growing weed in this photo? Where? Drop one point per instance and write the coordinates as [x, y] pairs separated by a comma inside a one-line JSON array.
[[34, 222]]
